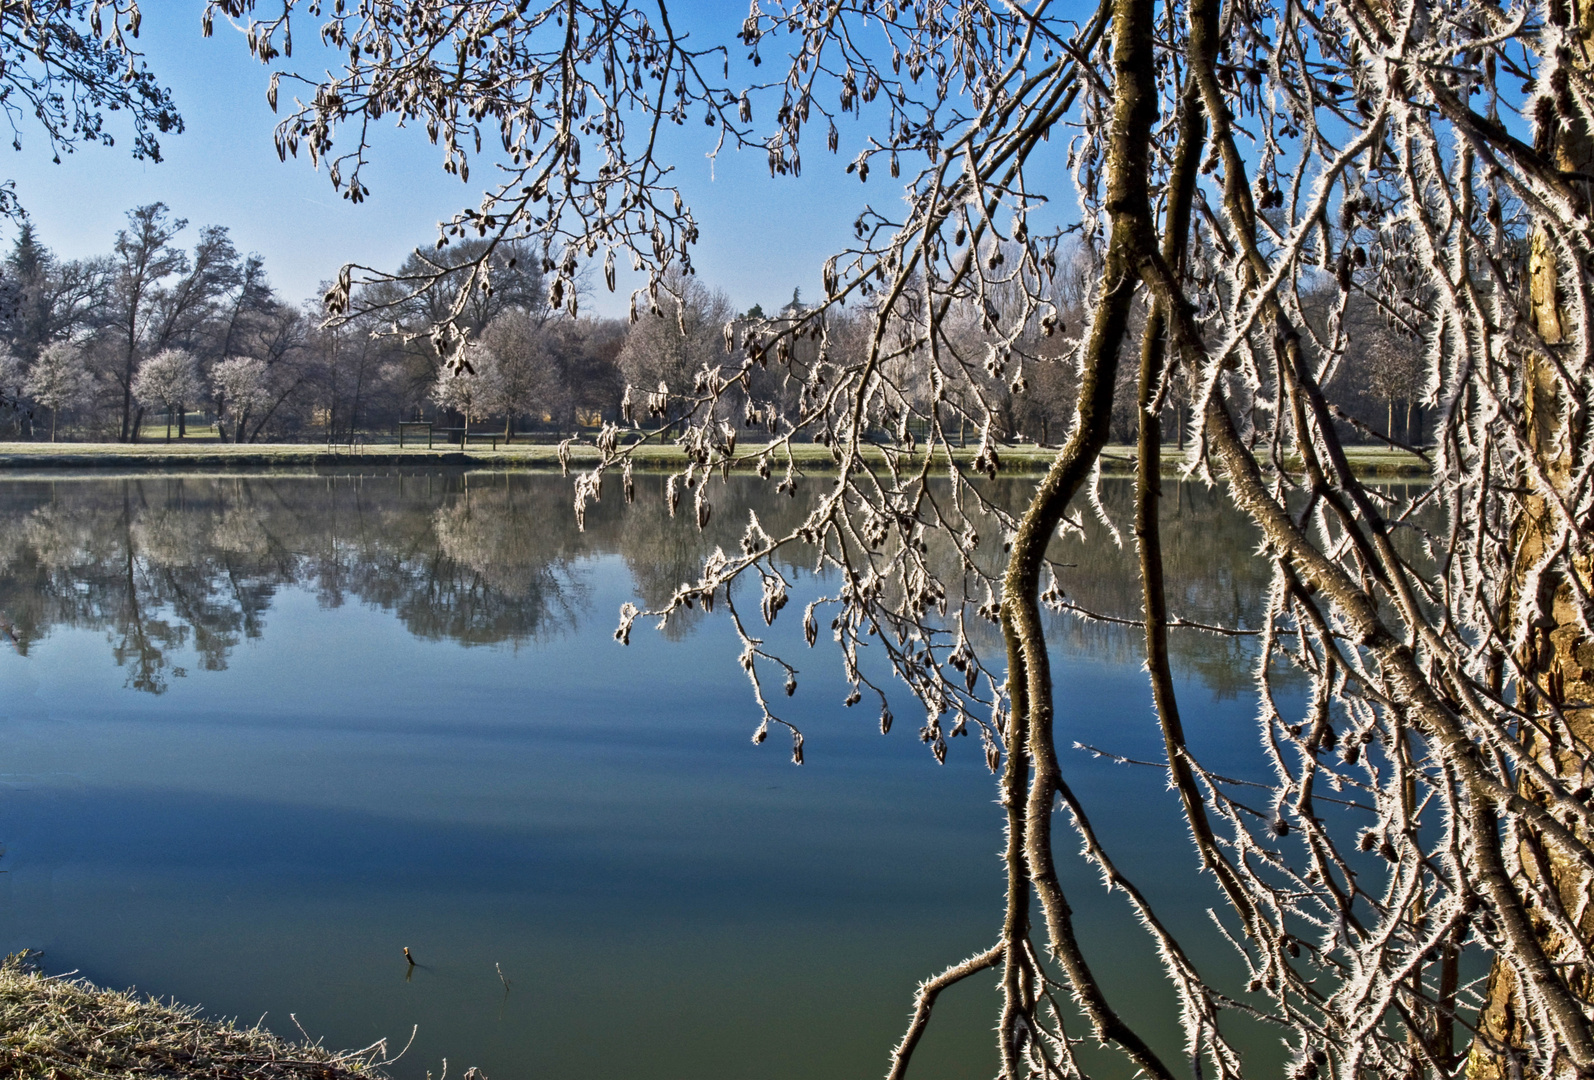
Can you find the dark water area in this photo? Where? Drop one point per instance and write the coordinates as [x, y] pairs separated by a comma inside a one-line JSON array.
[[258, 734]]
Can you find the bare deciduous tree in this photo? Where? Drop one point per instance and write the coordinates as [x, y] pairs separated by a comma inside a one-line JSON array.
[[144, 258]]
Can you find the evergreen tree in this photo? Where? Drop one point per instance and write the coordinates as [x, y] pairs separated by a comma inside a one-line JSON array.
[[26, 295]]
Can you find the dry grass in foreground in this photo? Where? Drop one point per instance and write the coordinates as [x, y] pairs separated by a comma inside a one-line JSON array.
[[61, 1028]]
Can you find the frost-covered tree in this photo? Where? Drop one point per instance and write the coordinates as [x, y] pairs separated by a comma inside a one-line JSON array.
[[521, 372], [474, 393], [167, 381], [669, 347], [59, 379], [685, 335], [240, 386], [1226, 162]]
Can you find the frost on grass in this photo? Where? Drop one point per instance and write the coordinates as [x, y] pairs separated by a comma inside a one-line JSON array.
[[63, 1028]]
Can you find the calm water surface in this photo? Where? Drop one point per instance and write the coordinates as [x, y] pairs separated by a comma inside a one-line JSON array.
[[259, 734]]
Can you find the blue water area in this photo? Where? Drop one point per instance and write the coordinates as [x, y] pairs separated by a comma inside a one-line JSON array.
[[260, 734]]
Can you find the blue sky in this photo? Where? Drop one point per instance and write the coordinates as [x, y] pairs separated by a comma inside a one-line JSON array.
[[761, 237]]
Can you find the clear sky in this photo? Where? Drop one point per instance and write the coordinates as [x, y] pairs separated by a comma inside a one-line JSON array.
[[761, 237]]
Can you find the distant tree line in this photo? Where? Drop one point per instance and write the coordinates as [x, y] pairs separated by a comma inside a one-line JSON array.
[[134, 342], [139, 340]]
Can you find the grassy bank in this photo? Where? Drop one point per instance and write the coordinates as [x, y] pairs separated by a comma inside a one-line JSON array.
[[60, 1028], [1117, 460]]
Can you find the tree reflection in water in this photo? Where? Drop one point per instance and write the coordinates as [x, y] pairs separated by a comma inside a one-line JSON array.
[[165, 564]]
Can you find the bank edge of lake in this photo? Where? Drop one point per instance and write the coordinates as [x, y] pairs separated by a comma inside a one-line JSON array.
[[1369, 462], [65, 1028]]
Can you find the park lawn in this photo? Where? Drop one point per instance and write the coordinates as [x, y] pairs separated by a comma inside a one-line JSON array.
[[196, 433], [1024, 458]]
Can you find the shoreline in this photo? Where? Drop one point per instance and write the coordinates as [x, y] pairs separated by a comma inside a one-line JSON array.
[[1368, 462], [63, 1027]]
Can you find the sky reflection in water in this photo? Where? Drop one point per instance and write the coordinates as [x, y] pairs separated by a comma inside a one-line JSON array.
[[258, 734]]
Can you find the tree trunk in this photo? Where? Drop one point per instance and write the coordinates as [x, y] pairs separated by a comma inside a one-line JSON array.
[[1561, 662], [129, 431], [359, 389], [1559, 655]]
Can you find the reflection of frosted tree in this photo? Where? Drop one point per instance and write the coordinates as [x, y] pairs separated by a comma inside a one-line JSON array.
[[168, 536], [510, 568], [662, 552], [184, 563], [660, 559], [141, 569], [58, 537], [1212, 581], [239, 531]]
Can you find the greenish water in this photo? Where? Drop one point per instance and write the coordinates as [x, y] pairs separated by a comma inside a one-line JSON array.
[[257, 735]]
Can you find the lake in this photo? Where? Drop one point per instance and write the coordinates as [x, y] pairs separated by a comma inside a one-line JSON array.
[[261, 733]]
